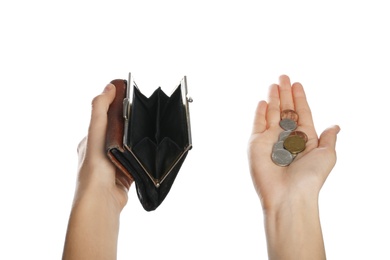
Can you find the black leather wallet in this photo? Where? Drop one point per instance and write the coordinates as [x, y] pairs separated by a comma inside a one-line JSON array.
[[148, 138]]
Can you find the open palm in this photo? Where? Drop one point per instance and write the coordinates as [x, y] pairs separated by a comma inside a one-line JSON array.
[[309, 170]]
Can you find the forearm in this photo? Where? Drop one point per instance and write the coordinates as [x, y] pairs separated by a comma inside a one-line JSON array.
[[93, 227], [293, 231]]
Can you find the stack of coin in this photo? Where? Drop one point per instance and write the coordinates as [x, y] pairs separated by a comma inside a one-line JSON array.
[[290, 141]]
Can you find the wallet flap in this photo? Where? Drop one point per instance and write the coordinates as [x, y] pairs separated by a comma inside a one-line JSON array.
[[115, 123], [114, 134]]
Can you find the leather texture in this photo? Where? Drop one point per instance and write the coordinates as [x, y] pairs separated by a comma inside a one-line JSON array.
[[114, 136], [157, 142]]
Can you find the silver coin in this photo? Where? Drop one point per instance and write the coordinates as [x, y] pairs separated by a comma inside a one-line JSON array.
[[278, 146], [282, 157], [288, 124], [283, 135]]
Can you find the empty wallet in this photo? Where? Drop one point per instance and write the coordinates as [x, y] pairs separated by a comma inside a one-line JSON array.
[[148, 138]]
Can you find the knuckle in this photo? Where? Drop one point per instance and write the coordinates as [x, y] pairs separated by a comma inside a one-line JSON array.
[[96, 101]]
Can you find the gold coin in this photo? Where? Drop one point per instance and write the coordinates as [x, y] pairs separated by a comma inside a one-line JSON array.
[[294, 144], [300, 134], [289, 114]]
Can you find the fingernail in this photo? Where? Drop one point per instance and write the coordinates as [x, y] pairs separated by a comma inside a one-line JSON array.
[[108, 88]]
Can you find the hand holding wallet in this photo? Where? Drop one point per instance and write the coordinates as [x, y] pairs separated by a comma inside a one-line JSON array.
[[148, 139]]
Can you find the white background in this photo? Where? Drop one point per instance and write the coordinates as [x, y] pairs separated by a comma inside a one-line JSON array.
[[55, 56]]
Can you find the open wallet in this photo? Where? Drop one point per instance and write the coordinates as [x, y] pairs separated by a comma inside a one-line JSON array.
[[148, 138]]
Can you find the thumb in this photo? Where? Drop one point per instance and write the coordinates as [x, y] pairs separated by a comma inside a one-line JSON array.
[[98, 123], [328, 138]]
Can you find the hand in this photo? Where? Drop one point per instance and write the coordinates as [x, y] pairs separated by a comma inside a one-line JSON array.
[[96, 171], [304, 177], [94, 219], [289, 195]]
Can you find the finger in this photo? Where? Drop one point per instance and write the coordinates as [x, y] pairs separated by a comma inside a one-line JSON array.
[[122, 181], [273, 109], [98, 123], [81, 145], [328, 138], [301, 106], [81, 150], [286, 99], [260, 122]]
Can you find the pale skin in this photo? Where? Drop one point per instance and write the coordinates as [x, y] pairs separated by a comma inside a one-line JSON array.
[[289, 195], [94, 220]]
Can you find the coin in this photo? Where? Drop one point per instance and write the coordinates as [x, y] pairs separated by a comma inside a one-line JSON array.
[[294, 144], [300, 134], [278, 145], [288, 124], [290, 142], [289, 114], [282, 157], [283, 135]]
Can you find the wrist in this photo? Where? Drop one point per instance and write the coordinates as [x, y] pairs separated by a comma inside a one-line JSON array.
[[293, 205], [100, 196], [293, 229], [93, 225]]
